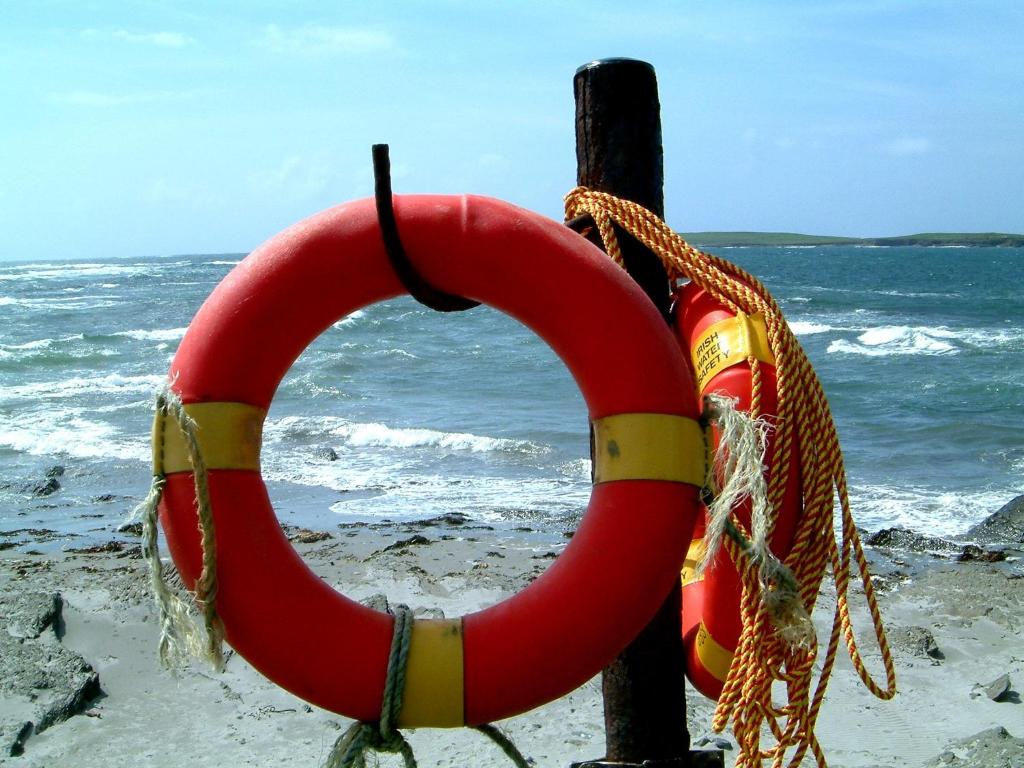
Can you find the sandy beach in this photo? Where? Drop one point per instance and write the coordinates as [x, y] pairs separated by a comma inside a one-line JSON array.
[[954, 626]]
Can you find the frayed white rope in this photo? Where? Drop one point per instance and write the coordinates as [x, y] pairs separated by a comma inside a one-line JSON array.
[[180, 634], [739, 470], [737, 474]]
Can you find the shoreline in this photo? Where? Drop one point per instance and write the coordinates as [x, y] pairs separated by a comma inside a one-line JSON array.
[[972, 612]]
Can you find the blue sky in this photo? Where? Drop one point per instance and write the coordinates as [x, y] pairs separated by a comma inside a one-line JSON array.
[[147, 128]]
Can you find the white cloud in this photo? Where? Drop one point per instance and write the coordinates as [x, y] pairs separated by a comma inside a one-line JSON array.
[[159, 39], [315, 40], [908, 145], [296, 177]]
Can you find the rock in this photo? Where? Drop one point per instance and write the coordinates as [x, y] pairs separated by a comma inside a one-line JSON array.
[[412, 541], [132, 529], [110, 547], [46, 488], [104, 498], [902, 538], [326, 452], [378, 602], [27, 614], [453, 519], [1004, 525], [918, 641], [997, 690], [993, 748], [973, 552], [712, 741], [41, 681], [306, 536], [13, 735]]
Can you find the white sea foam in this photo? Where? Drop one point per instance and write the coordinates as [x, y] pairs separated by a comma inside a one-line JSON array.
[[492, 499], [60, 302], [67, 432], [924, 509], [919, 294], [376, 435], [160, 334], [222, 263], [394, 353], [898, 340], [351, 319], [924, 340], [74, 271], [808, 328], [578, 469], [42, 343], [111, 384], [383, 471]]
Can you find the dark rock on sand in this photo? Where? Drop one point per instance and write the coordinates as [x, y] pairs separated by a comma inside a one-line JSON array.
[[917, 641], [993, 748], [306, 536], [132, 529], [973, 552], [1004, 525], [712, 741], [47, 487], [412, 541], [902, 538], [12, 737], [111, 547], [41, 681], [453, 519], [29, 613], [997, 690]]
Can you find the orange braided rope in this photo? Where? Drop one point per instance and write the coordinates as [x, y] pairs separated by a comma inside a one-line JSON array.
[[804, 432]]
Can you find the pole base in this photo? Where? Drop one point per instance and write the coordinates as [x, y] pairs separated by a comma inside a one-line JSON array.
[[698, 758]]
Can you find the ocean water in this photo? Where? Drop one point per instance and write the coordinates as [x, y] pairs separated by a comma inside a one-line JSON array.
[[397, 412]]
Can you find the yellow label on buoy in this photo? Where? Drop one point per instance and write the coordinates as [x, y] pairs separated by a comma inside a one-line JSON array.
[[727, 343]]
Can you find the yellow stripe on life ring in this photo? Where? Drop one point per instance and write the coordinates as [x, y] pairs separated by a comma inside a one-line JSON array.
[[229, 435], [434, 679], [715, 658], [648, 446], [727, 343]]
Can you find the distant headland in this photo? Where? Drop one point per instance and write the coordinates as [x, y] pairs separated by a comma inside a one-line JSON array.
[[939, 239]]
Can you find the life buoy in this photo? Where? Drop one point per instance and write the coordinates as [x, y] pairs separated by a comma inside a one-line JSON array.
[[543, 641], [718, 345]]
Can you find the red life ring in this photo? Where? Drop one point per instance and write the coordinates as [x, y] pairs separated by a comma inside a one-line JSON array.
[[718, 343], [564, 627]]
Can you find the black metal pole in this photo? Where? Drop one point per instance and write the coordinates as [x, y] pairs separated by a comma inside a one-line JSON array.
[[619, 150]]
